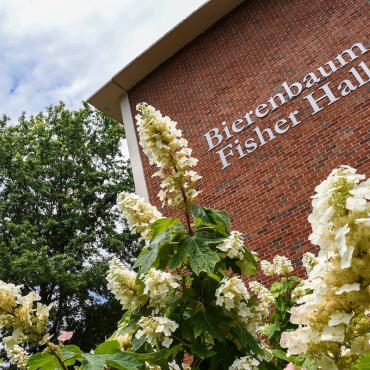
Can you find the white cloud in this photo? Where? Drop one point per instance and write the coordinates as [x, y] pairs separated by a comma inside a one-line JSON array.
[[54, 50]]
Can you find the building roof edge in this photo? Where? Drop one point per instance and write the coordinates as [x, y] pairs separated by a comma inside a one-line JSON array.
[[107, 98]]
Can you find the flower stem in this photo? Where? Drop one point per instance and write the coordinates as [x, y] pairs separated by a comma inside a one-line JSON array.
[[55, 353], [187, 211]]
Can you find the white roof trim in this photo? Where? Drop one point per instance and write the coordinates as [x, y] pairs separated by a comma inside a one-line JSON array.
[[108, 97]]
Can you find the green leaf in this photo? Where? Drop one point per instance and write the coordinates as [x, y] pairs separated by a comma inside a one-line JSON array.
[[107, 348], [214, 277], [362, 364], [248, 265], [247, 340], [202, 258], [210, 217], [271, 329], [277, 287], [121, 361], [268, 366], [207, 322], [137, 343], [203, 236], [43, 361], [163, 224], [158, 358], [225, 356], [310, 364], [177, 260], [201, 350], [72, 348], [70, 354], [147, 258], [209, 235], [277, 353], [199, 214], [94, 362]]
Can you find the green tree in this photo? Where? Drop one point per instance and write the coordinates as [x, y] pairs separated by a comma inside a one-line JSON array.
[[60, 173]]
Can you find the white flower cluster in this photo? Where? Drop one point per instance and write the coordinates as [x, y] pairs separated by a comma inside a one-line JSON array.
[[279, 266], [309, 261], [333, 294], [245, 363], [18, 356], [138, 213], [232, 294], [9, 294], [165, 147], [157, 329], [160, 286], [297, 341], [268, 268], [340, 183], [25, 318], [298, 292], [265, 298], [359, 197], [282, 265], [122, 283], [233, 245], [124, 340]]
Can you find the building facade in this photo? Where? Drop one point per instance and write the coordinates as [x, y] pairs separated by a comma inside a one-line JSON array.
[[272, 95]]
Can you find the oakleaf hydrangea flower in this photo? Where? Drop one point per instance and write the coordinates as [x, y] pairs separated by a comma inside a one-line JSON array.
[[165, 147], [18, 356], [245, 363], [122, 283], [25, 318], [363, 220], [160, 287], [347, 288], [332, 310], [268, 268], [360, 195], [233, 245], [157, 329], [345, 251], [298, 292], [309, 261], [138, 213], [328, 196], [340, 317], [283, 265], [124, 340], [266, 299], [279, 266], [333, 334], [9, 293], [297, 341], [232, 294]]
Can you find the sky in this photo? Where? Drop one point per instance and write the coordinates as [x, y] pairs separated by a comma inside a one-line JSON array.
[[64, 50]]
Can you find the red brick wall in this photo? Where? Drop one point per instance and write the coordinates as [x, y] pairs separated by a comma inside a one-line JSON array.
[[240, 63]]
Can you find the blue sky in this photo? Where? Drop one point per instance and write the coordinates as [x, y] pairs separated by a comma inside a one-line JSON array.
[[54, 50]]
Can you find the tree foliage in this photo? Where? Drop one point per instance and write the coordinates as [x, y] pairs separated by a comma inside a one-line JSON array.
[[60, 173]]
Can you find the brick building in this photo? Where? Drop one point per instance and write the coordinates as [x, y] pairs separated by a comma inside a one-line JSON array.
[[244, 80]]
